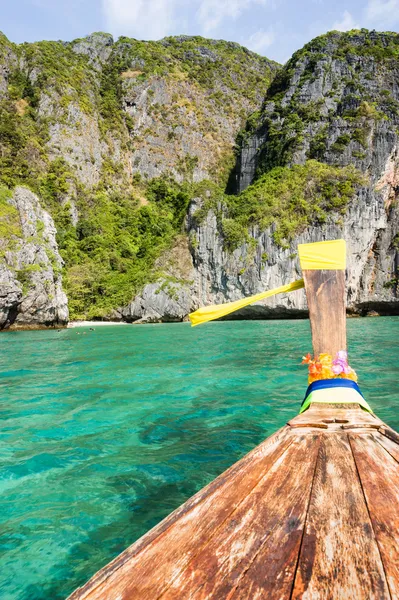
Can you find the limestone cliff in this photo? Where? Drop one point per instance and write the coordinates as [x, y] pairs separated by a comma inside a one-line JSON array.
[[110, 135], [337, 101], [31, 292], [184, 172]]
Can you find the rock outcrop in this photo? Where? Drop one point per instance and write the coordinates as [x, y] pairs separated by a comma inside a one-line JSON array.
[[169, 107], [337, 101], [31, 293], [218, 275], [88, 124], [369, 228], [171, 298]]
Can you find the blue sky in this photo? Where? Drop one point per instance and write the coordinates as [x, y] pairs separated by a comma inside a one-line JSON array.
[[274, 28]]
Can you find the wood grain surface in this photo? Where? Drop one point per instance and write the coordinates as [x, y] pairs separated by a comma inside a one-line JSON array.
[[172, 544], [271, 516], [386, 442], [325, 416], [339, 558], [325, 293], [379, 476], [312, 513]]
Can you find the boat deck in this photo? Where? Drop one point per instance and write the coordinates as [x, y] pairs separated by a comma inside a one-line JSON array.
[[313, 513]]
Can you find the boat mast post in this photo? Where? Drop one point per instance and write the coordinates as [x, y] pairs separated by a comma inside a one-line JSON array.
[[326, 297], [325, 293]]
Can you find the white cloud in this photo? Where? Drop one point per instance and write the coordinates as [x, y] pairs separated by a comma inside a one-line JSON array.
[[212, 12], [154, 19], [143, 19], [382, 13], [260, 40], [346, 23]]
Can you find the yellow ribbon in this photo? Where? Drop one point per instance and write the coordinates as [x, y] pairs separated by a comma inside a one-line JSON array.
[[210, 313], [330, 255], [319, 255]]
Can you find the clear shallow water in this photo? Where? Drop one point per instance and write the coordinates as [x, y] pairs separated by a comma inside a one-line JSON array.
[[104, 434]]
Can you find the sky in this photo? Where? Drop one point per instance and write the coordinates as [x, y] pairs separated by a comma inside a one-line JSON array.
[[272, 28]]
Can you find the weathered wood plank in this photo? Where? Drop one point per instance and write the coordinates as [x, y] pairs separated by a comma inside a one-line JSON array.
[[389, 445], [379, 476], [319, 415], [339, 557], [375, 426], [389, 432], [240, 537], [172, 543], [325, 293], [271, 516], [272, 572]]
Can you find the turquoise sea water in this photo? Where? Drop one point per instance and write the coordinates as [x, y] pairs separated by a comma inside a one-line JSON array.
[[104, 433]]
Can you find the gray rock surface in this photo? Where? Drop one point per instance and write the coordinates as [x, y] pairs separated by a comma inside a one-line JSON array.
[[349, 98], [350, 101], [170, 124], [160, 302], [369, 227], [97, 46], [98, 116], [336, 101], [178, 130], [31, 293], [171, 297]]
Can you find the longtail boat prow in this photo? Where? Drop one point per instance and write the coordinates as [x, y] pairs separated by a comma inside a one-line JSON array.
[[312, 512]]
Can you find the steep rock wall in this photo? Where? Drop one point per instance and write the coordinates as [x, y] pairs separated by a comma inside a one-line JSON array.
[[337, 101], [88, 124], [370, 227], [30, 269]]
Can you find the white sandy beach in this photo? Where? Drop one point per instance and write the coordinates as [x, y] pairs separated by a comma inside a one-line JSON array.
[[73, 324]]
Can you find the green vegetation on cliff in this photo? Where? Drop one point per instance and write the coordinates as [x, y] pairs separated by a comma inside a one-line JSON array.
[[287, 199], [116, 137], [210, 63], [111, 252], [330, 93], [113, 224], [10, 227], [60, 70]]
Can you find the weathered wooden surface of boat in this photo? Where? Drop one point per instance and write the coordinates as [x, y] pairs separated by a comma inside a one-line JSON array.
[[313, 512]]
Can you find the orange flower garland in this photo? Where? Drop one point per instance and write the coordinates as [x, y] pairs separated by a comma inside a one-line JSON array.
[[324, 367]]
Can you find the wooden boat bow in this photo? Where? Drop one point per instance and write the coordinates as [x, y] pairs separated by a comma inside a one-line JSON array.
[[311, 513]]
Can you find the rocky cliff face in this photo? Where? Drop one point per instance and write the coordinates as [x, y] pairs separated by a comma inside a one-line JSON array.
[[218, 275], [369, 228], [131, 148], [31, 293], [336, 101], [173, 106], [88, 125]]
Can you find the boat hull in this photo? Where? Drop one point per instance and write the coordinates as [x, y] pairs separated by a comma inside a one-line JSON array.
[[312, 512]]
